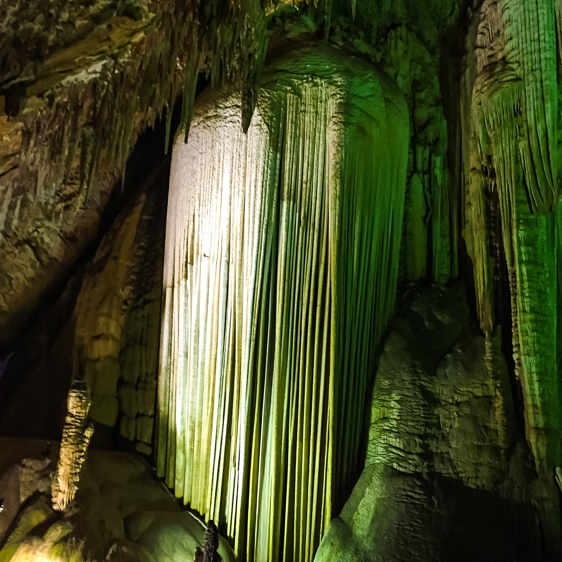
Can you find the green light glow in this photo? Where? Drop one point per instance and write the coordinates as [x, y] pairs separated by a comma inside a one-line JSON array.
[[514, 124], [281, 267]]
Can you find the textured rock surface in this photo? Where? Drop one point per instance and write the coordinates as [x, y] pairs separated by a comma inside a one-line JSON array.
[[117, 330], [447, 475], [264, 361], [512, 162], [54, 54], [104, 327], [121, 512], [78, 81], [418, 43], [76, 437]]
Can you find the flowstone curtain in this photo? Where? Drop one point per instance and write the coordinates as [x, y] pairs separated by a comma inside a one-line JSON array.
[[514, 128], [281, 262]]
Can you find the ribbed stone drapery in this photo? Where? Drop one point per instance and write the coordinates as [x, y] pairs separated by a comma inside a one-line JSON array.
[[281, 262], [514, 121]]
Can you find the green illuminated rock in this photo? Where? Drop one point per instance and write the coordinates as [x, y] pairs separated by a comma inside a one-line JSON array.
[[281, 267], [514, 136], [448, 476]]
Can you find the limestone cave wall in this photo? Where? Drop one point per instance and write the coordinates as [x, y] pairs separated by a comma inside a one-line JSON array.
[[338, 338]]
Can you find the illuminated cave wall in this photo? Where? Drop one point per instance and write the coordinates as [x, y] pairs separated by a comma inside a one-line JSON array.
[[512, 166], [281, 267], [481, 169]]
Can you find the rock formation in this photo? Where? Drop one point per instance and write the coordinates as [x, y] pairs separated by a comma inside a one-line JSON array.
[[339, 153], [445, 462], [513, 133], [74, 445], [121, 513], [266, 349], [88, 79]]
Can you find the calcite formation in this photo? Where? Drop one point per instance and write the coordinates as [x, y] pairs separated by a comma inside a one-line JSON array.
[[121, 513], [512, 157], [281, 266], [74, 446], [78, 82], [285, 247], [447, 475], [108, 319]]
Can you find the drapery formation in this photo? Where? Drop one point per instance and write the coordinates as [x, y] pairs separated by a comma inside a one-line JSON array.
[[281, 263], [514, 159]]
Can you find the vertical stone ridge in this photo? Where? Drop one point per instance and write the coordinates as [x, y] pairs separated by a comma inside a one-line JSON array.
[[76, 437], [513, 130]]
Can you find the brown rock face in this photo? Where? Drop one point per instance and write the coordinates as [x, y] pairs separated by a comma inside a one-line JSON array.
[[42, 234], [78, 82], [447, 476], [105, 327], [57, 168]]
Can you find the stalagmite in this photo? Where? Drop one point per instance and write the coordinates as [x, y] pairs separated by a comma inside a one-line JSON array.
[[281, 265], [74, 445]]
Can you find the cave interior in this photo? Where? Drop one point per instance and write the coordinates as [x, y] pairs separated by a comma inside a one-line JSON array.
[[279, 280]]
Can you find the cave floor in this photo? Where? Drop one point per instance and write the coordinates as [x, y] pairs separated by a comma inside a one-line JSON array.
[[121, 511]]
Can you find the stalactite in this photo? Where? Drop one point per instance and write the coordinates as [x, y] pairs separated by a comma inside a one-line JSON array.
[[124, 74], [74, 445], [442, 254], [514, 122], [530, 24], [515, 338], [280, 274], [537, 323], [476, 236]]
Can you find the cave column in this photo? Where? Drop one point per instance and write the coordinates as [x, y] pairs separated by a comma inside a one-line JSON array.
[[513, 130], [281, 268]]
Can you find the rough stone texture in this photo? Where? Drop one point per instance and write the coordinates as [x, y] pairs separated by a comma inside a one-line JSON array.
[[46, 221], [447, 475], [78, 81], [512, 160], [76, 437], [121, 512], [41, 237], [105, 327], [118, 317]]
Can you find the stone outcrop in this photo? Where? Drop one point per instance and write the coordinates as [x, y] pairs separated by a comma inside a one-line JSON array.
[[512, 165], [78, 82], [447, 476], [121, 512], [105, 327]]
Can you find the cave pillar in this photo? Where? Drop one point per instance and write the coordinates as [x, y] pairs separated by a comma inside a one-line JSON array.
[[281, 267]]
